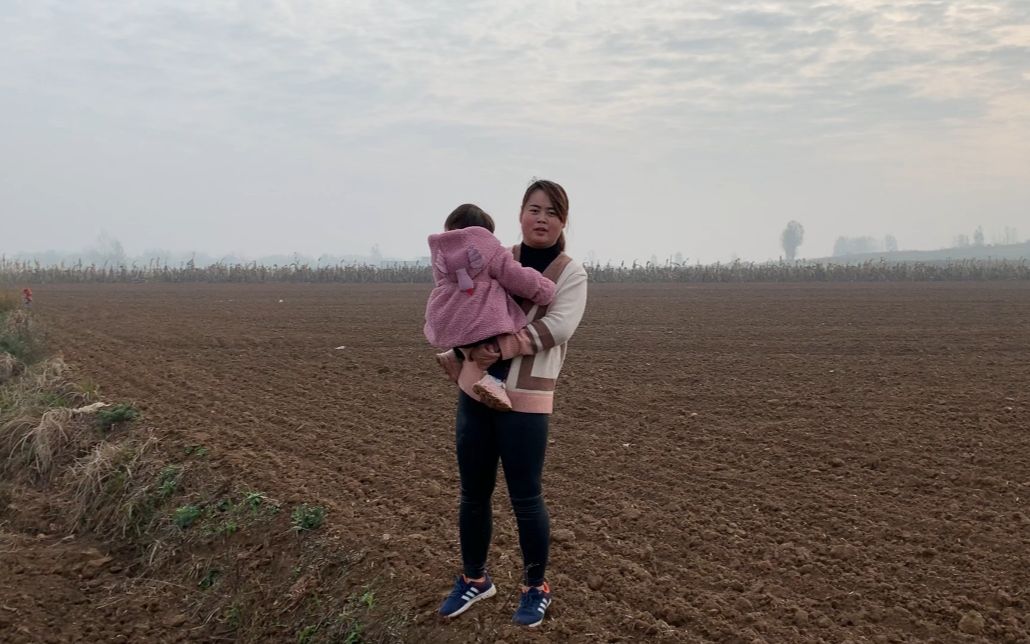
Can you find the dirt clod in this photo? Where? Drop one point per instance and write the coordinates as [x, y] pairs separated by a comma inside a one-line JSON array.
[[972, 623]]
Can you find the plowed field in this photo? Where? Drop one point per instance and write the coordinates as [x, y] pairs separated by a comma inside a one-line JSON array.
[[729, 463]]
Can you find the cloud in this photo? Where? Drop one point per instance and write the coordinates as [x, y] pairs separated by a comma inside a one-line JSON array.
[[506, 83], [322, 67]]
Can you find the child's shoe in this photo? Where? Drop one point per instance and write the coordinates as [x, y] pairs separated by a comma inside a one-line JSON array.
[[491, 391], [465, 593], [532, 606], [450, 364]]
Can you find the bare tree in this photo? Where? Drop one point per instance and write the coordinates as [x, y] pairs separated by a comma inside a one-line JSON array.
[[107, 251], [791, 238], [978, 236], [890, 243]]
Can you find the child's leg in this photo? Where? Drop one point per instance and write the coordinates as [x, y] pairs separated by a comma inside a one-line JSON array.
[[491, 389], [500, 369], [450, 362]]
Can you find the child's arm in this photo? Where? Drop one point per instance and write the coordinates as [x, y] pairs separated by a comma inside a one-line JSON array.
[[555, 327], [521, 280]]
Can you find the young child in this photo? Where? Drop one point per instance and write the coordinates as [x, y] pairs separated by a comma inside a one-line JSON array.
[[26, 294], [475, 278]]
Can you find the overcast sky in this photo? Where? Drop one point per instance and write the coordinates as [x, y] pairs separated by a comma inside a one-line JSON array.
[[326, 126]]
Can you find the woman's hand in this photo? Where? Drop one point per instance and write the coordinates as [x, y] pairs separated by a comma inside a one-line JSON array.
[[484, 355]]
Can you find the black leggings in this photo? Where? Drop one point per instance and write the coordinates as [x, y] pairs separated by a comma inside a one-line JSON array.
[[518, 440]]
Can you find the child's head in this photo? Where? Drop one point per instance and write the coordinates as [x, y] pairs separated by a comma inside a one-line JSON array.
[[467, 215]]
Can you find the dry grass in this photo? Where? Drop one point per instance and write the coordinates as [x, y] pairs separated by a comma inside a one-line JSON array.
[[10, 368], [21, 336], [8, 303], [27, 439], [42, 386], [52, 376], [37, 421], [48, 425], [109, 488], [668, 271]]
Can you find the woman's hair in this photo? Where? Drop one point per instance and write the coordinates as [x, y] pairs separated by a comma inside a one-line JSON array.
[[558, 198], [466, 215]]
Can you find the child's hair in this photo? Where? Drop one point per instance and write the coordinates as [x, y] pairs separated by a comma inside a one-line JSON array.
[[466, 215]]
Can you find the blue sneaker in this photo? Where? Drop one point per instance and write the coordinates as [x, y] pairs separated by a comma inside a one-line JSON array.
[[532, 606], [466, 593]]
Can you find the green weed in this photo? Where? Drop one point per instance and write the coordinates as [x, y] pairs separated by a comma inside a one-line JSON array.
[[308, 517], [232, 617], [197, 450], [307, 633], [353, 635], [186, 515], [106, 418], [168, 482], [254, 500], [209, 579], [227, 528]]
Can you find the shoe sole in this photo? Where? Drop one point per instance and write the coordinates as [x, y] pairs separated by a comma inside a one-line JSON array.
[[468, 604], [490, 400], [535, 624], [532, 625]]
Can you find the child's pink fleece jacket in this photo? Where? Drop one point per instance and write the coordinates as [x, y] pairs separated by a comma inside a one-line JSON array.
[[474, 275]]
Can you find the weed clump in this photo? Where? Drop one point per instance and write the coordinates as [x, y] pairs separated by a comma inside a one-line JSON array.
[[21, 337], [196, 450], [209, 579], [184, 516], [168, 481], [108, 489], [109, 417], [10, 367], [307, 517]]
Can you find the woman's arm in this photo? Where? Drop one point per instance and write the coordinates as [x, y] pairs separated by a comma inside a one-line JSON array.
[[556, 326]]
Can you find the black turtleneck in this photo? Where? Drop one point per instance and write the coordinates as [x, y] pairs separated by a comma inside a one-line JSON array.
[[538, 258]]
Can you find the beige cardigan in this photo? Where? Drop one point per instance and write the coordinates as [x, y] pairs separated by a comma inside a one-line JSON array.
[[538, 350]]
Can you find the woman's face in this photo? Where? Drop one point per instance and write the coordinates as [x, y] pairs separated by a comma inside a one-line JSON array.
[[540, 223]]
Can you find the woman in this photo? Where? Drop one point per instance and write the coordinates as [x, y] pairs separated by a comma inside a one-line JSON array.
[[517, 438]]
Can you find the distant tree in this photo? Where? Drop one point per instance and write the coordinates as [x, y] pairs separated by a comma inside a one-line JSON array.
[[855, 246], [792, 237], [107, 250], [1011, 236], [978, 236], [679, 259], [962, 241], [890, 244]]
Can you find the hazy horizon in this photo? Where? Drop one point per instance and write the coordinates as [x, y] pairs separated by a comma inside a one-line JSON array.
[[329, 127]]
